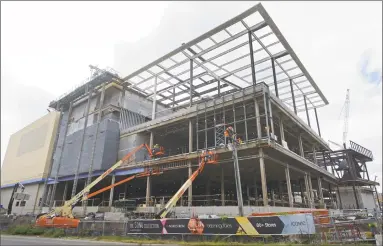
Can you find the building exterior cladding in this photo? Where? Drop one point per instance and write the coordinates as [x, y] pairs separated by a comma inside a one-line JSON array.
[[283, 162]]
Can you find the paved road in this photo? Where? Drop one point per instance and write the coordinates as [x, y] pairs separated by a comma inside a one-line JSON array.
[[22, 240]]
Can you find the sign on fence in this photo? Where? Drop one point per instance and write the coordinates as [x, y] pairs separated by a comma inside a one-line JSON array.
[[265, 225]]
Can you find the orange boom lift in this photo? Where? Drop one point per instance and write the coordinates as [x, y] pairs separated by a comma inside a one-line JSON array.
[[62, 217]]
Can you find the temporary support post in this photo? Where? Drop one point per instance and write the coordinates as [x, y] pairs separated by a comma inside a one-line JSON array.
[[307, 111], [94, 144], [252, 59], [263, 178], [59, 162], [82, 143], [222, 187], [292, 96], [191, 83], [274, 77], [316, 117], [190, 170], [301, 151], [111, 191], [320, 191], [288, 184], [238, 183]]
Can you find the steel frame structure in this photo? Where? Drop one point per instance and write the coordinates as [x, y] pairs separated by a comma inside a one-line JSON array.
[[243, 51]]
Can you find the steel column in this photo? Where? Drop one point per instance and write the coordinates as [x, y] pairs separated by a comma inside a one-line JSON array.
[[252, 59], [292, 96], [244, 115], [311, 191], [316, 117], [222, 187], [81, 144], [339, 199], [190, 170], [282, 130], [258, 118], [320, 190], [191, 83], [154, 109], [301, 146], [65, 191], [274, 77], [238, 183], [307, 111]]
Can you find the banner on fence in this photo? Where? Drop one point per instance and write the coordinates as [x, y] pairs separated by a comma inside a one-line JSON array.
[[260, 225]]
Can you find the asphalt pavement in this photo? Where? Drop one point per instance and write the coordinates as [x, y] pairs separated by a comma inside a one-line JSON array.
[[23, 240]]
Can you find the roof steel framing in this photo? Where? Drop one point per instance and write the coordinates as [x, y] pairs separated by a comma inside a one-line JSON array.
[[227, 73]]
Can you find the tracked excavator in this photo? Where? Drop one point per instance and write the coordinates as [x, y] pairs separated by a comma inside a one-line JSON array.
[[62, 217]]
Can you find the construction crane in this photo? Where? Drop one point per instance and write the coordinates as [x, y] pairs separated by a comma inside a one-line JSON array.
[[62, 216], [207, 157]]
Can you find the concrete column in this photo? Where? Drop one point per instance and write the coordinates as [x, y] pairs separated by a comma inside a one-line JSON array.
[[311, 190], [222, 187], [65, 191], [248, 194], [263, 178], [288, 184], [320, 191], [307, 189], [255, 189], [190, 170], [148, 190], [111, 191], [301, 151]]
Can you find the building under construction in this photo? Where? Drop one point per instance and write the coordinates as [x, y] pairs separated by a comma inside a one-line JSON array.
[[242, 74]]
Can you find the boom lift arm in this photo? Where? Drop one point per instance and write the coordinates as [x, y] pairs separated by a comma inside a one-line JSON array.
[[206, 158], [65, 212]]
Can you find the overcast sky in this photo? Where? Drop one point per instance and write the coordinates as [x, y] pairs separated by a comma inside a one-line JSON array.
[[46, 48]]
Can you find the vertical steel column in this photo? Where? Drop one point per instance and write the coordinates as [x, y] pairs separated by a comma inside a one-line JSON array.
[[190, 170], [274, 77], [257, 118], [214, 124], [271, 113], [154, 109], [252, 58], [315, 156], [49, 195], [196, 126], [222, 187], [266, 115], [293, 96], [316, 117], [82, 143], [191, 83], [174, 96], [244, 114], [288, 184], [224, 114], [205, 127], [307, 111], [356, 196], [307, 189], [311, 190], [94, 144], [248, 194], [320, 191], [255, 189], [112, 191], [263, 178], [235, 123]]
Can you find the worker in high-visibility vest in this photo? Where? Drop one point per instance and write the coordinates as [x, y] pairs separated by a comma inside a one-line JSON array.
[[156, 149]]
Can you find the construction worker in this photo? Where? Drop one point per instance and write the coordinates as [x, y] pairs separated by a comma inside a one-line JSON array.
[[156, 149], [229, 133]]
